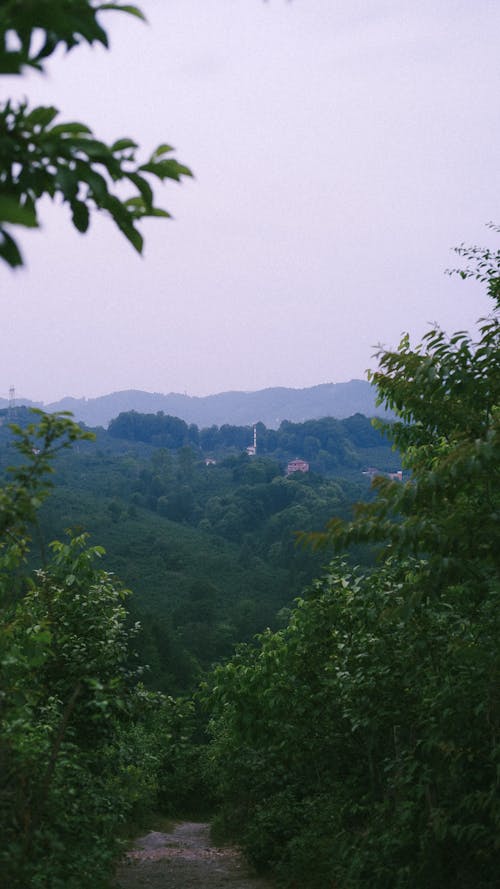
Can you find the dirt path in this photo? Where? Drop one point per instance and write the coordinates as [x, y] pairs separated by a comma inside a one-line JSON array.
[[184, 859]]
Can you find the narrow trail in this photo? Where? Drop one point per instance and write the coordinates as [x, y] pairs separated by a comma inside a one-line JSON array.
[[184, 859]]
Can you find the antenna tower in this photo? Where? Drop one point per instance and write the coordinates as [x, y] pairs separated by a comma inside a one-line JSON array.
[[252, 449], [12, 403]]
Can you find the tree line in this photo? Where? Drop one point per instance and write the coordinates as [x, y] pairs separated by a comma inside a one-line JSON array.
[[211, 552], [329, 445]]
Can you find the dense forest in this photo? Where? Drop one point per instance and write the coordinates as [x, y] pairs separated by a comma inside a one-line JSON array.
[[209, 548], [330, 446]]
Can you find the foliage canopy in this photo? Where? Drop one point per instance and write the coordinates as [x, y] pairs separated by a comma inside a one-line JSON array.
[[43, 157], [446, 393], [84, 748]]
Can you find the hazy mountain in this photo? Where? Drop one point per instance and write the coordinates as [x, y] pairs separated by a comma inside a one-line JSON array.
[[270, 406], [4, 403]]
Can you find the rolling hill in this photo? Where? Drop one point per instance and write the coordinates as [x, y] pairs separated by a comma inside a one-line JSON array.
[[269, 406]]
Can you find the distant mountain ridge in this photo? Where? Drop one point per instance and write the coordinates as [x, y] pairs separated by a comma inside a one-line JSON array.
[[269, 406]]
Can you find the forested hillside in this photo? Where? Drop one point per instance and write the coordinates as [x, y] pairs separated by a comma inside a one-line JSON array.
[[330, 446], [209, 550]]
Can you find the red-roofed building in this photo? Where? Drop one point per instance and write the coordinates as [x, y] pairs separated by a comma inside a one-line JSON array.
[[297, 466]]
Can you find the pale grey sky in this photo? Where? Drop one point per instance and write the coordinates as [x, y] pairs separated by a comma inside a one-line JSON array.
[[340, 150]]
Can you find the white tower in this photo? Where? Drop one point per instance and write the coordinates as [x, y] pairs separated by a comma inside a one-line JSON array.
[[252, 449], [12, 403]]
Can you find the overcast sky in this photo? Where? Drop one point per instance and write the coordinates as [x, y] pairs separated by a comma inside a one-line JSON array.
[[340, 150]]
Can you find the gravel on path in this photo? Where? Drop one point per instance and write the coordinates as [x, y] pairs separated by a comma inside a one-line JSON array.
[[184, 859]]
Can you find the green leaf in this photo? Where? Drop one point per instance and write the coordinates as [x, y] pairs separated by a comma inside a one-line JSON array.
[[97, 183], [47, 49], [122, 144], [160, 151], [136, 207], [130, 10], [9, 251], [11, 211], [124, 221], [157, 211], [67, 181], [143, 187], [166, 169], [42, 116], [13, 62], [80, 215], [72, 128], [131, 234], [92, 148]]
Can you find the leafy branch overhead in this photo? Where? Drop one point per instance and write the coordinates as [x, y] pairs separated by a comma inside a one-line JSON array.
[[40, 156]]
